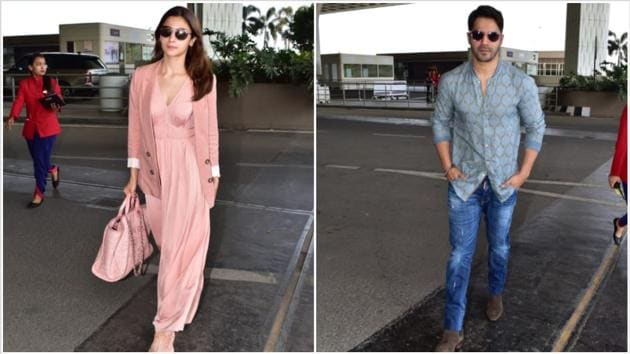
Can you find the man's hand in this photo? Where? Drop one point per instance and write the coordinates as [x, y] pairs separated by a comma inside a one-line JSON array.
[[516, 181], [454, 173], [10, 122], [612, 180]]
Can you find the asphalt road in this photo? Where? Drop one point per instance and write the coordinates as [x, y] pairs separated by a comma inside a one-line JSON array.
[[382, 241], [262, 227]]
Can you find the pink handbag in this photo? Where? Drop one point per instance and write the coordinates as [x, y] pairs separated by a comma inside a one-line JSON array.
[[125, 244]]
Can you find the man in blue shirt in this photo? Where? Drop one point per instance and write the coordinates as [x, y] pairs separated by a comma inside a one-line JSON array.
[[477, 121]]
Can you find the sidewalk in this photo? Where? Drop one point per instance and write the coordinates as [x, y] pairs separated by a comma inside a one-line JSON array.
[[553, 257]]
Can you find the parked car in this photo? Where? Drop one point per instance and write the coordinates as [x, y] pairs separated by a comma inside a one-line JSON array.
[[78, 73]]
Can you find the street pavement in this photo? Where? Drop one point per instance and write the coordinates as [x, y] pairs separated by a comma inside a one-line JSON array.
[[259, 271], [382, 240]]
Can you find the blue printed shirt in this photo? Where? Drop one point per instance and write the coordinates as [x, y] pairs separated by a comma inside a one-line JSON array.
[[485, 131]]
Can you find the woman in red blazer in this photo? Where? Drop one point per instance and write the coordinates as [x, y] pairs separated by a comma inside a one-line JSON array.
[[619, 172], [41, 126], [174, 156]]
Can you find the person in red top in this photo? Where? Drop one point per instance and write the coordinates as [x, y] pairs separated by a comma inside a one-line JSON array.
[[41, 126], [619, 172]]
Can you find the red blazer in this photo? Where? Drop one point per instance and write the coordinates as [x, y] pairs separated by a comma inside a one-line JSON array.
[[38, 118], [620, 161], [141, 141]]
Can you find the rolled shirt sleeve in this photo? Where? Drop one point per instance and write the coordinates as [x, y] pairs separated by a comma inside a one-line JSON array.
[[443, 113], [133, 162], [532, 116], [216, 171]]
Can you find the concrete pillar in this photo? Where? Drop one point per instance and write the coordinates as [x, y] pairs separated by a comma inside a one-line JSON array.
[[586, 41]]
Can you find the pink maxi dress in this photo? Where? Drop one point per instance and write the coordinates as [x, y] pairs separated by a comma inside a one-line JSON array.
[[180, 220]]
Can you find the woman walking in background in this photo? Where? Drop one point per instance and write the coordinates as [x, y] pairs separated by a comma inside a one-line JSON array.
[[618, 178], [41, 126], [174, 157]]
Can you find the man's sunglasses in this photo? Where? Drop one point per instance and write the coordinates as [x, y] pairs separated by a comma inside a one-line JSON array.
[[180, 33], [478, 35]]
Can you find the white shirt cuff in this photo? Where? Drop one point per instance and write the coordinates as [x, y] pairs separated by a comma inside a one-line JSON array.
[[133, 162], [216, 172]]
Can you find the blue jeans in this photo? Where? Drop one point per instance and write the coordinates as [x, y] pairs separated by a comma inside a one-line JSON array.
[[463, 220]]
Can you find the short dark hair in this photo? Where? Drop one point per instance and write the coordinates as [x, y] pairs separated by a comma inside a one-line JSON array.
[[488, 12]]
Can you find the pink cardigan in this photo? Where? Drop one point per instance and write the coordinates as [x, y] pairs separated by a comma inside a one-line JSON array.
[[141, 141]]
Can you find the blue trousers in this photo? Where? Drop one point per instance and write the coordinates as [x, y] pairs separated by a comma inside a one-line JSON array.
[[464, 218], [41, 149]]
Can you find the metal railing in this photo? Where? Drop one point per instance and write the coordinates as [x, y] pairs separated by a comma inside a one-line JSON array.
[[377, 93], [398, 94]]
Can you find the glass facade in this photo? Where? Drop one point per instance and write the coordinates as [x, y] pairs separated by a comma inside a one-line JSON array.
[[367, 71], [550, 69]]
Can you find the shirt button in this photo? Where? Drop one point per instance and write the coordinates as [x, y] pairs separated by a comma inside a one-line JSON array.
[[207, 161], [151, 172], [148, 154], [209, 180]]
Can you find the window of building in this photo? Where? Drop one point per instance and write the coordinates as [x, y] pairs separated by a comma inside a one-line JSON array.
[[385, 71], [147, 52], [352, 70], [551, 69], [111, 53], [133, 53], [370, 70]]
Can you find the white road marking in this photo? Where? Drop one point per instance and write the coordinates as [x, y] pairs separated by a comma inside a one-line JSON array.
[[96, 206], [570, 197], [400, 135], [218, 201], [344, 167], [279, 131], [387, 120], [96, 158], [99, 126], [435, 175], [263, 207], [252, 164], [572, 184], [230, 275]]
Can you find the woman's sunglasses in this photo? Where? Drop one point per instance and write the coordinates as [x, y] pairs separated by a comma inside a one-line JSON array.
[[478, 35], [180, 33]]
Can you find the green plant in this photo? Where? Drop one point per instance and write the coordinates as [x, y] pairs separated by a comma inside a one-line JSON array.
[[241, 63], [251, 20], [610, 77], [301, 29]]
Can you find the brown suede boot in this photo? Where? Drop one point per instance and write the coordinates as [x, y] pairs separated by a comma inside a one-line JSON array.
[[494, 309], [450, 342]]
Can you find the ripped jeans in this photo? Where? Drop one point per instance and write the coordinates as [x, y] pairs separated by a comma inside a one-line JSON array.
[[463, 220]]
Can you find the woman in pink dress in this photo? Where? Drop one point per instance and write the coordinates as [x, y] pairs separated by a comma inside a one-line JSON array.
[[174, 158]]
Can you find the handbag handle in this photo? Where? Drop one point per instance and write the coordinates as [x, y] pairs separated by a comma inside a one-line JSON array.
[[125, 206]]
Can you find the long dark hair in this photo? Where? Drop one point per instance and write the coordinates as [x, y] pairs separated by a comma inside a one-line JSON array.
[[198, 66], [47, 82]]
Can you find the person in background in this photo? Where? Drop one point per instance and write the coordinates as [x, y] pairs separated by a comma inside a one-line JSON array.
[[41, 126], [618, 178]]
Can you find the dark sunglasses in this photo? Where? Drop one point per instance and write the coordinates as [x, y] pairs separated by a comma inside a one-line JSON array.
[[478, 35], [180, 33]]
